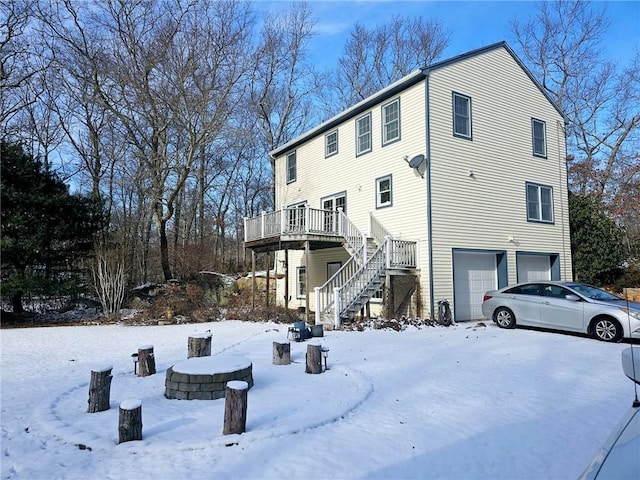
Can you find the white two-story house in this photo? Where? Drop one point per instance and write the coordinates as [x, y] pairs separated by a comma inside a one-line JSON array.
[[448, 183]]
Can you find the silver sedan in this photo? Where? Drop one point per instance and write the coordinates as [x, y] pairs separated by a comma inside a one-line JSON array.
[[569, 306]]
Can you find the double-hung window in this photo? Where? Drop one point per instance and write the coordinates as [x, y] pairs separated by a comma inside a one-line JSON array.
[[383, 192], [331, 143], [461, 115], [291, 167], [391, 122], [539, 203], [539, 136], [363, 134], [301, 282]]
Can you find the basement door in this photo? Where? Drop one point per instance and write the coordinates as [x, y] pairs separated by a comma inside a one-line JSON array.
[[473, 274]]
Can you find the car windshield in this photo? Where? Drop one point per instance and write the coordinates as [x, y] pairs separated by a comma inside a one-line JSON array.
[[593, 293]]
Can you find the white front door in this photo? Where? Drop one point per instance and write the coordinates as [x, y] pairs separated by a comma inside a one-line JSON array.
[[533, 268], [474, 274]]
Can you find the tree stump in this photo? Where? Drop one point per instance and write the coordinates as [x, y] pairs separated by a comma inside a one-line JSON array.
[[199, 345], [314, 359], [146, 361], [100, 389], [281, 353], [130, 422], [235, 407]]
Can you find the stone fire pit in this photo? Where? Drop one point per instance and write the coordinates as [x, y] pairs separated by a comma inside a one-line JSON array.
[[205, 378]]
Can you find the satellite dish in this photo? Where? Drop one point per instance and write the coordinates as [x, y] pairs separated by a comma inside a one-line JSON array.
[[416, 161]]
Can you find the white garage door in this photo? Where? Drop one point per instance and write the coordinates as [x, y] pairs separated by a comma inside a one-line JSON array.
[[532, 268], [475, 273]]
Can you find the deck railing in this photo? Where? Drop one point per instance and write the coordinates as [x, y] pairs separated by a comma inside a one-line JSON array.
[[293, 221], [401, 253]]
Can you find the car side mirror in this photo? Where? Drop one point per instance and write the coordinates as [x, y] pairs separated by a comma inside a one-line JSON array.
[[631, 364], [573, 298]]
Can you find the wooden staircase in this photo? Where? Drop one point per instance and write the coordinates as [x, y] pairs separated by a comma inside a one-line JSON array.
[[357, 282]]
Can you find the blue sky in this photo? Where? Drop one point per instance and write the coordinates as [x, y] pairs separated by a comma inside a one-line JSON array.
[[472, 24]]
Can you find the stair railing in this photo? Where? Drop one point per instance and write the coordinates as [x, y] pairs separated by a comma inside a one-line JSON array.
[[346, 295], [355, 239], [324, 294], [376, 230]]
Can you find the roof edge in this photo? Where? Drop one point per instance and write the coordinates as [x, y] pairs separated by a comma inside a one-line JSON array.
[[488, 48], [405, 82]]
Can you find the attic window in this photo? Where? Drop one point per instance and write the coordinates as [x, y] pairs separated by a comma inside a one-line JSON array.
[[539, 135], [461, 116]]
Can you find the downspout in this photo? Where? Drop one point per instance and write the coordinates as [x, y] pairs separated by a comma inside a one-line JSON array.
[[428, 192], [566, 273]]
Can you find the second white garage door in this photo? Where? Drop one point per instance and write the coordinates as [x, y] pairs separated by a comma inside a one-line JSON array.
[[533, 268], [474, 274]]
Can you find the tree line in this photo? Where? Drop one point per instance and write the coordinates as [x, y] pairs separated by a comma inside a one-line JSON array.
[[163, 113]]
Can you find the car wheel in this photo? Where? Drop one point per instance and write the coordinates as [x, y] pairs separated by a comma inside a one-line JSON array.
[[607, 329], [504, 317]]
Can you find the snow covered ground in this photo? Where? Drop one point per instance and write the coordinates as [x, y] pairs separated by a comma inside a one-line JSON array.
[[463, 402]]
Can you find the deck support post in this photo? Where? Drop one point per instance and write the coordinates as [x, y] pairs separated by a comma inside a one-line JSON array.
[[318, 303], [336, 306], [253, 280], [307, 254], [286, 278], [268, 264]]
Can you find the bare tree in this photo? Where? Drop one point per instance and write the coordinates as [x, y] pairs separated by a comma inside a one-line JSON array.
[[109, 276], [18, 64], [167, 72], [283, 80], [373, 59], [562, 45]]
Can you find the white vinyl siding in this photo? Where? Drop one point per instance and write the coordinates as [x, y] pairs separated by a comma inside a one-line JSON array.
[[363, 134], [539, 203], [356, 177], [475, 213], [461, 115], [292, 167], [484, 211], [539, 137], [331, 143], [391, 122]]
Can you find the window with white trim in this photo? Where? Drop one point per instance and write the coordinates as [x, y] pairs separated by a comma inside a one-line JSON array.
[[301, 282], [363, 134], [383, 192], [391, 122], [461, 115], [291, 167], [539, 203], [331, 143], [539, 136]]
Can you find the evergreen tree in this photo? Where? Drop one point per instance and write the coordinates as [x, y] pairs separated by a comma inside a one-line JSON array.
[[45, 229], [596, 242]]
